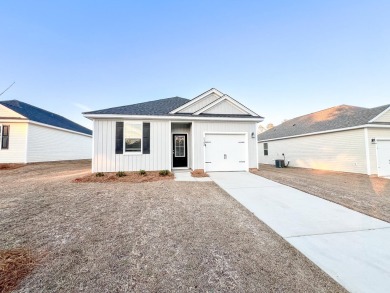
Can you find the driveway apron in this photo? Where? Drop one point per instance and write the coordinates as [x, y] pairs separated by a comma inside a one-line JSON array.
[[351, 247]]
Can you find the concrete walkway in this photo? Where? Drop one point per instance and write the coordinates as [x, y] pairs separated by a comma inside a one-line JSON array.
[[352, 248]]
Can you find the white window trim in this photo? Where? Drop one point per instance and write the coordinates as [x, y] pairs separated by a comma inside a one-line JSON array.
[[265, 149], [124, 138]]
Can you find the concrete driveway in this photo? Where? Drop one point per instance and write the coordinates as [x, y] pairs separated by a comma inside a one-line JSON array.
[[351, 247]]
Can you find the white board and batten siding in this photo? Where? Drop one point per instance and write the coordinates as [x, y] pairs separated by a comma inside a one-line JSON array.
[[200, 129], [16, 152], [49, 144], [105, 159], [337, 151]]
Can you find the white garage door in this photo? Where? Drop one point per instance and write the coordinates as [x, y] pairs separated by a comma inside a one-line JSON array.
[[383, 157], [225, 152]]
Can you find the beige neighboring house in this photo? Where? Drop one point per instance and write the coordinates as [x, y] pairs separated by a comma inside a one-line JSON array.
[[30, 134], [343, 138]]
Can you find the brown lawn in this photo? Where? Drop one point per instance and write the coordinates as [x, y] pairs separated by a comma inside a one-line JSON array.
[[162, 236]]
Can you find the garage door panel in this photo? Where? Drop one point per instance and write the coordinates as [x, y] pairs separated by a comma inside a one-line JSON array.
[[225, 152], [383, 148]]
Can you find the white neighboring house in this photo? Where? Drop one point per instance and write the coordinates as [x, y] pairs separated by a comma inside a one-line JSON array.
[[343, 138], [212, 132], [29, 134]]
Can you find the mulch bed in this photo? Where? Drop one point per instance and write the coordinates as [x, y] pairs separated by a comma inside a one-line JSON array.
[[133, 177], [11, 166], [199, 173], [15, 265]]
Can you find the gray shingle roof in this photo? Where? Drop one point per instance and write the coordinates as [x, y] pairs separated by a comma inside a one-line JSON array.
[[329, 119], [158, 107], [42, 116]]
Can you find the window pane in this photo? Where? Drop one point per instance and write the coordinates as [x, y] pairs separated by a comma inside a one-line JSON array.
[[133, 130], [5, 130], [179, 151], [133, 145], [4, 143]]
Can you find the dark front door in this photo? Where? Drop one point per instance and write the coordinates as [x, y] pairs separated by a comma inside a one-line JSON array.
[[179, 151]]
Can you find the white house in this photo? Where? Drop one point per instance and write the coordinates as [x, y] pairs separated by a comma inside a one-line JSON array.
[[343, 138], [212, 132], [29, 134]]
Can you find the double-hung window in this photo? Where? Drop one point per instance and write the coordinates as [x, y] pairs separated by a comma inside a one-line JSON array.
[[133, 138], [265, 145], [4, 137]]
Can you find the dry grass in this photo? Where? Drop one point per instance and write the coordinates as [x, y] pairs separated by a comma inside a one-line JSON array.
[[162, 236], [362, 193], [11, 166], [15, 265], [133, 177], [199, 173]]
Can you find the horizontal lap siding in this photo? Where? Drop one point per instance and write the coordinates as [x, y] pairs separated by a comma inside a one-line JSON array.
[[105, 159], [375, 133], [16, 152], [339, 151], [48, 144], [199, 128]]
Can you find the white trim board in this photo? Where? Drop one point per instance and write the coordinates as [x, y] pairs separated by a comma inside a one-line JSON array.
[[172, 118]]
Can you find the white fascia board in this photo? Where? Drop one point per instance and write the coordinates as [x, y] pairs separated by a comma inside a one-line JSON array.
[[13, 120], [231, 100], [172, 118], [327, 131], [194, 100], [58, 128], [379, 115]]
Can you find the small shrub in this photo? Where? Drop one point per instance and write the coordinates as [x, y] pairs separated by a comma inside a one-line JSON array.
[[120, 174], [99, 174], [164, 172], [142, 172]]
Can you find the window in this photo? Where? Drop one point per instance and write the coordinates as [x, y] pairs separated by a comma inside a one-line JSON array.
[[265, 148], [133, 137], [4, 136]]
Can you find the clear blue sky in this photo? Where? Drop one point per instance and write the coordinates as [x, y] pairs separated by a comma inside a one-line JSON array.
[[280, 58]]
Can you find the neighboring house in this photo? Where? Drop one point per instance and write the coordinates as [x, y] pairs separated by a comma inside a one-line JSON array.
[[29, 134], [212, 132], [343, 138]]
